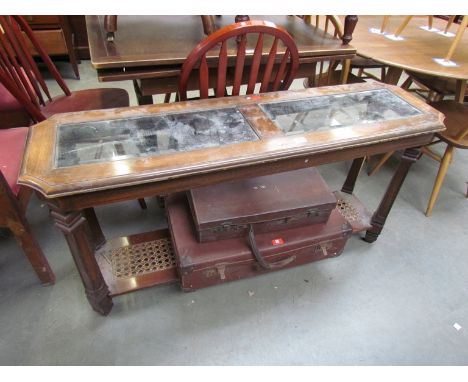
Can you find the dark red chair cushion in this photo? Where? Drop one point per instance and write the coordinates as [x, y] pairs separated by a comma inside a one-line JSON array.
[[12, 113], [90, 99], [12, 143]]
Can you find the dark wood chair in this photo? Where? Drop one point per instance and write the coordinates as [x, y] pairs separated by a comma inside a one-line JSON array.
[[14, 199], [22, 79], [208, 60]]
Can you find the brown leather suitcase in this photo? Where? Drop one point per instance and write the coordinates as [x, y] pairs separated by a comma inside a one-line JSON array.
[[270, 203], [205, 264]]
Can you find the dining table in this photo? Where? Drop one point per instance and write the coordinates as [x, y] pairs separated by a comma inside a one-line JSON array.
[[150, 50], [417, 48], [77, 162]]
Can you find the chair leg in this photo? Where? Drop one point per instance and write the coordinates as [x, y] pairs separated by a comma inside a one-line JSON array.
[[142, 99], [33, 251], [142, 203], [407, 84], [446, 159], [346, 68], [383, 71], [380, 163]]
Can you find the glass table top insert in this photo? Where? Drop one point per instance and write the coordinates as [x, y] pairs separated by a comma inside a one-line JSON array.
[[337, 110], [103, 141]]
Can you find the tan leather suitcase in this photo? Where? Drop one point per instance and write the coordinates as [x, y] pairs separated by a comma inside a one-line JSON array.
[[268, 203], [205, 264]]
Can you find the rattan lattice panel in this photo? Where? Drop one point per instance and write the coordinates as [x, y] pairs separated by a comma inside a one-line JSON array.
[[138, 259], [347, 210]]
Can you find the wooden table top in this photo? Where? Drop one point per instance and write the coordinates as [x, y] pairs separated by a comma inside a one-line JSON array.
[[271, 143], [416, 51], [167, 40]]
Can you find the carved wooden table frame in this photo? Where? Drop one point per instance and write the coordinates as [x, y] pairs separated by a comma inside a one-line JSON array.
[[73, 209]]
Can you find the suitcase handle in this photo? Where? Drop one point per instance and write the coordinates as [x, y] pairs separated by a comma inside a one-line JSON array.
[[260, 259]]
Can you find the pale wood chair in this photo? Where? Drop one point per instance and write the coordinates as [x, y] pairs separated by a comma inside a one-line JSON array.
[[328, 73], [455, 136]]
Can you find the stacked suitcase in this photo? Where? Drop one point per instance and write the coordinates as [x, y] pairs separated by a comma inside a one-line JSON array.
[[244, 228]]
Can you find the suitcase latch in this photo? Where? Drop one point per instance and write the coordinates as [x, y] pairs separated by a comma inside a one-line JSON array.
[[221, 268], [313, 212]]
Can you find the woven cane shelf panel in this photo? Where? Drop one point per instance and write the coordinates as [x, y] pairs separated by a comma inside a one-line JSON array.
[[347, 210], [138, 259], [353, 211]]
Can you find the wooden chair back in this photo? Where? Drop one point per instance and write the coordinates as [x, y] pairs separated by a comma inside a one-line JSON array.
[[326, 72], [277, 73], [19, 72]]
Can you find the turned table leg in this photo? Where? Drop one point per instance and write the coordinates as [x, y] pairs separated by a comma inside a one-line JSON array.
[[76, 229], [380, 215]]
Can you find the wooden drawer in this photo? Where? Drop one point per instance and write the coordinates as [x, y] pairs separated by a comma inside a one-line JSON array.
[[52, 40], [43, 21]]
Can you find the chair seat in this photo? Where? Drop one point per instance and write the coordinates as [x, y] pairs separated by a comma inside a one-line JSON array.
[[443, 86], [90, 99], [12, 113], [13, 143], [456, 121]]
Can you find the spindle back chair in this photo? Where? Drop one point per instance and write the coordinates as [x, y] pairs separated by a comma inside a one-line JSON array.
[[21, 77], [276, 72]]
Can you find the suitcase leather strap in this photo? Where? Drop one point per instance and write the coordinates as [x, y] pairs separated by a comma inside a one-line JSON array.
[[263, 263]]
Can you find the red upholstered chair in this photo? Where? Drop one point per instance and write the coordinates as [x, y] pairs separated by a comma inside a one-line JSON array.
[[22, 80], [274, 73], [13, 201]]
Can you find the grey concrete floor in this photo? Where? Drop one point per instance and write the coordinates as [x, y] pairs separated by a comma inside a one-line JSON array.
[[393, 302]]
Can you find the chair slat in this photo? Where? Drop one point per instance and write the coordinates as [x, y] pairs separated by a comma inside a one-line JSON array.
[[222, 67], [279, 79], [33, 67], [204, 78], [239, 69], [240, 33], [269, 66], [255, 65], [44, 56], [21, 54], [30, 107], [16, 71], [7, 66]]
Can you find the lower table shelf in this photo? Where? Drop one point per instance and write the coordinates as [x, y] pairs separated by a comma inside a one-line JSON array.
[[144, 260], [354, 211], [139, 261]]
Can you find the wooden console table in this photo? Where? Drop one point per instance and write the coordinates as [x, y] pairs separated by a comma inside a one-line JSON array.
[[82, 160]]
